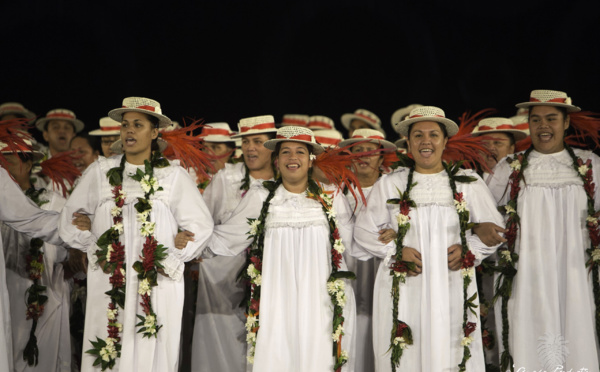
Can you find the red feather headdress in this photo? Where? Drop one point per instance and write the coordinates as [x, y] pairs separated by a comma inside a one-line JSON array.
[[13, 132], [586, 125], [61, 170]]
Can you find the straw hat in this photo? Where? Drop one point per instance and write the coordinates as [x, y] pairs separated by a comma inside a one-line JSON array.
[[426, 113], [295, 134], [16, 108], [295, 120], [108, 127], [368, 135], [401, 113], [256, 125], [143, 105], [401, 143], [216, 132], [363, 115], [328, 138], [501, 125], [28, 149], [60, 114], [319, 122], [549, 98]]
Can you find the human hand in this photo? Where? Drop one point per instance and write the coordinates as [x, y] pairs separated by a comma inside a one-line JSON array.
[[182, 238], [82, 221], [454, 257], [488, 232], [412, 255]]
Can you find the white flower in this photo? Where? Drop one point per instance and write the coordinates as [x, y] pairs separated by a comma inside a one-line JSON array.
[[144, 287], [111, 314], [468, 272], [143, 217], [509, 209], [338, 332], [344, 355], [583, 169], [327, 199], [109, 251], [400, 341], [336, 286], [147, 228], [251, 337], [461, 206], [254, 227], [515, 165], [402, 219], [110, 342], [119, 326], [105, 355], [506, 255], [148, 183], [466, 341], [339, 246], [252, 271], [149, 322], [399, 274], [250, 358], [115, 211], [250, 322], [118, 227], [123, 273], [122, 194], [257, 280], [331, 213], [596, 254], [591, 219], [341, 299]]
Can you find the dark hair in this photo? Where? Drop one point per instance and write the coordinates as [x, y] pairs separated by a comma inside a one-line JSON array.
[[153, 119], [563, 110], [93, 141], [442, 128], [25, 156]]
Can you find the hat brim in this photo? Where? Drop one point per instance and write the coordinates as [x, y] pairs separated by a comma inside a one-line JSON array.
[[117, 114], [36, 155], [347, 119], [402, 127], [271, 144], [518, 134], [100, 132], [78, 124], [117, 146], [401, 143], [570, 108], [217, 138], [252, 132], [30, 116], [385, 144]]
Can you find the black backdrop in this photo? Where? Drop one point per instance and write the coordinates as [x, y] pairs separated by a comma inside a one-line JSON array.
[[224, 60]]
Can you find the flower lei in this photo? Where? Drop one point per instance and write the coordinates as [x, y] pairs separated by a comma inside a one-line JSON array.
[[335, 285], [35, 297], [401, 335], [508, 257], [111, 256]]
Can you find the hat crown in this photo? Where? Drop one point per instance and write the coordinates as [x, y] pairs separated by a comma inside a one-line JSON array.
[[320, 122], [368, 134], [220, 125], [295, 119], [542, 95], [142, 103], [290, 132], [366, 114], [12, 106], [107, 122], [494, 123], [249, 123], [520, 119], [426, 111], [403, 112], [61, 113]]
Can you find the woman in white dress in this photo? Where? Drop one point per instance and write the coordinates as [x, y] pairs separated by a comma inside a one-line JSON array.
[[136, 203], [424, 325], [552, 313], [300, 304]]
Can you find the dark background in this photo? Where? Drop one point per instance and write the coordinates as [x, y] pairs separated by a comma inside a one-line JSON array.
[[225, 60]]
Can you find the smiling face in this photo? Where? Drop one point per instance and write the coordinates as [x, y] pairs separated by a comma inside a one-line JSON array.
[[547, 125], [58, 134], [137, 133], [367, 166], [84, 153], [426, 142], [221, 151], [256, 156], [293, 162]]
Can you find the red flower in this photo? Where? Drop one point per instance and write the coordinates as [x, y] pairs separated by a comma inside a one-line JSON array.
[[458, 197], [336, 234], [400, 266], [34, 311], [116, 192], [117, 278], [146, 304], [470, 328], [148, 253], [254, 305], [404, 207], [487, 339], [468, 260], [257, 263], [118, 253], [336, 258], [400, 330]]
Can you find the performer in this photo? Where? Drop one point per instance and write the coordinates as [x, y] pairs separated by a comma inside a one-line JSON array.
[[425, 283], [548, 296], [301, 312], [136, 203], [361, 118], [109, 133], [219, 342]]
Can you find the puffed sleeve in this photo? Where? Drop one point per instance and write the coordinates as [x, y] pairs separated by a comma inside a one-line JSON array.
[[498, 182], [482, 208], [191, 214], [21, 214], [372, 218], [230, 238], [84, 199]]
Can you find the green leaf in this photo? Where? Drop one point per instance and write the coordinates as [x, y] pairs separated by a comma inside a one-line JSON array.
[[138, 267], [114, 176], [464, 179], [342, 275]]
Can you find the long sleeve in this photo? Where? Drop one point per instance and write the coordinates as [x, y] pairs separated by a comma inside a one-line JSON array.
[[21, 214], [84, 199], [231, 237]]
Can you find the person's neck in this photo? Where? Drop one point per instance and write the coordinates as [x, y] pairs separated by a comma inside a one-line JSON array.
[[367, 180], [262, 174], [138, 159], [433, 170], [53, 151], [296, 187]]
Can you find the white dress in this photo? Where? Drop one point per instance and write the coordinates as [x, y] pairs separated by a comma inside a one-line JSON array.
[[296, 317], [552, 305], [52, 331], [178, 205], [219, 342], [20, 213], [366, 272], [432, 302]]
